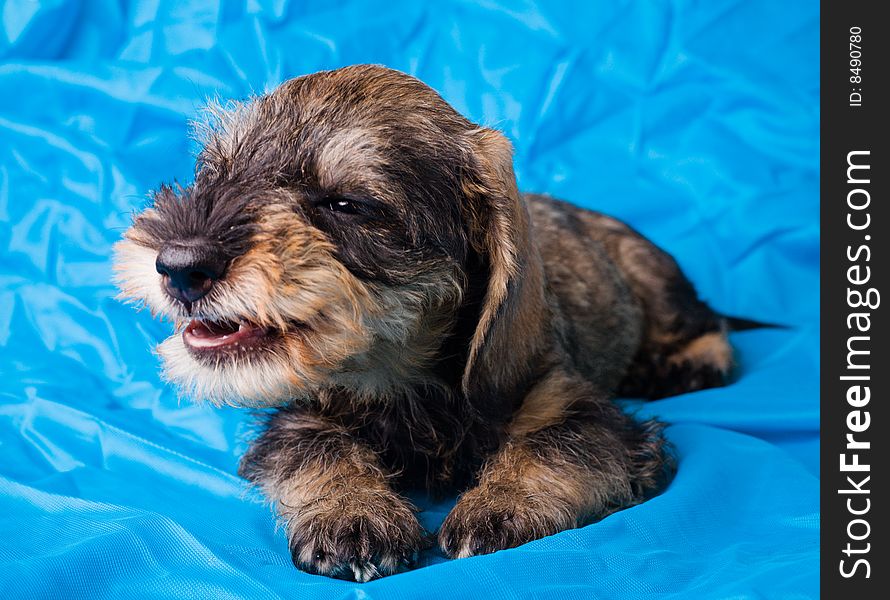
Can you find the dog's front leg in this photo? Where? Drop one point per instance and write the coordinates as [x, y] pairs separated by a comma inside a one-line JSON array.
[[570, 455], [342, 517]]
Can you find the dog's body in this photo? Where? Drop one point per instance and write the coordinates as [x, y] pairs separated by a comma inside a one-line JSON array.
[[356, 253]]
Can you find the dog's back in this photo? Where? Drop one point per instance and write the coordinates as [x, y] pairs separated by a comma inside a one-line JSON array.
[[630, 319]]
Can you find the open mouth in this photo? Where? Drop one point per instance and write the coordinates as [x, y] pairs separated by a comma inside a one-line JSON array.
[[214, 336]]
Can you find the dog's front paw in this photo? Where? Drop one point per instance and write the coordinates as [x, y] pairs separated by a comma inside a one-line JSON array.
[[359, 537], [487, 519]]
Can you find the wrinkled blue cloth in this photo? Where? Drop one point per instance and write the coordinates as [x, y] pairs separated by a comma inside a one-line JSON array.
[[698, 123]]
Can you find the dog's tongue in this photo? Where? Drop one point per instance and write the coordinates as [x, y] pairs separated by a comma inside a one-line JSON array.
[[208, 329], [205, 334]]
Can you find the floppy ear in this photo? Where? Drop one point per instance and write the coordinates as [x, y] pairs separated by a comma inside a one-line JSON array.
[[510, 332]]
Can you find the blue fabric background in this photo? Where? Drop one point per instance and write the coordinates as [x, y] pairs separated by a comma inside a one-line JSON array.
[[697, 122]]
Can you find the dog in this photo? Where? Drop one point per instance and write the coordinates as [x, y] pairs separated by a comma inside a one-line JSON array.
[[355, 253]]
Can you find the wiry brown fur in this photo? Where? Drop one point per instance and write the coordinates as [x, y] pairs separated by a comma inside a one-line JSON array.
[[442, 330]]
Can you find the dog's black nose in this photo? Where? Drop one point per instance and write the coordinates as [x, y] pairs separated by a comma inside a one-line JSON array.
[[190, 270]]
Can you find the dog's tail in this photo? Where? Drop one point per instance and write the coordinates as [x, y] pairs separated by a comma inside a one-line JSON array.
[[742, 324]]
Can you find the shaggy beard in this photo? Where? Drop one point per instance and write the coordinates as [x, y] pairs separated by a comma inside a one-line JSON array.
[[261, 382]]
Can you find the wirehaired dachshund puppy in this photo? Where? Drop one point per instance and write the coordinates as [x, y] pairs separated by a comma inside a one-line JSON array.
[[355, 253]]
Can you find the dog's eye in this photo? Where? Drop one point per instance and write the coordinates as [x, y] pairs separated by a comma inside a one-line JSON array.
[[344, 206], [340, 205]]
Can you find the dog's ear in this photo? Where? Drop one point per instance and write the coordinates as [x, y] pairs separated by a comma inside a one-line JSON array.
[[508, 335]]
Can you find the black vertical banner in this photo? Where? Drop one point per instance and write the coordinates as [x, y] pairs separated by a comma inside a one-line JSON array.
[[855, 367]]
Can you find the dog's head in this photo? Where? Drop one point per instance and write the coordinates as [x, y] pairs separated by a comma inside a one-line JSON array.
[[327, 241]]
